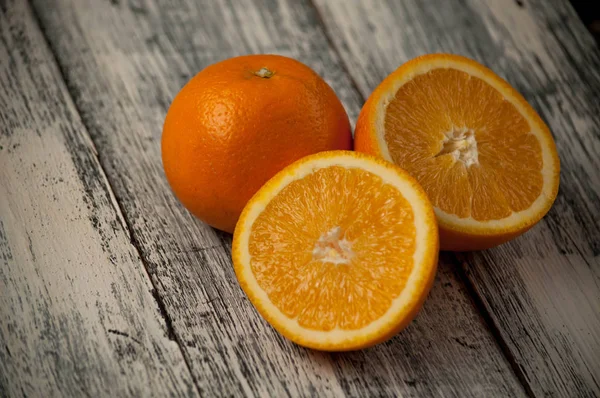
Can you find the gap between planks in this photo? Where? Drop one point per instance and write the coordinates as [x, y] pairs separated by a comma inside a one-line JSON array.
[[488, 320], [115, 203], [504, 32]]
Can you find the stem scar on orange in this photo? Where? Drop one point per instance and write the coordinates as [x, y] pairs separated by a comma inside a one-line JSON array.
[[483, 155], [240, 121]]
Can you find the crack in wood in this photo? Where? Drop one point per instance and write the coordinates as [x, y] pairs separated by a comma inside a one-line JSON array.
[[123, 334]]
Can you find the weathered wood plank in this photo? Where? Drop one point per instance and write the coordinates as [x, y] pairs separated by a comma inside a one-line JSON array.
[[542, 290], [124, 62], [77, 315]]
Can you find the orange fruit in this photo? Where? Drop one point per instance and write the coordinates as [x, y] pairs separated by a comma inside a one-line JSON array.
[[337, 251], [237, 123], [485, 158]]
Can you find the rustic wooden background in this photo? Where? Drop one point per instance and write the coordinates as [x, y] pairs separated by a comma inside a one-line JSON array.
[[108, 287]]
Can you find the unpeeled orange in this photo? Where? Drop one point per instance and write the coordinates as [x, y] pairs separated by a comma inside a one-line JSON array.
[[485, 158], [338, 251], [240, 121]]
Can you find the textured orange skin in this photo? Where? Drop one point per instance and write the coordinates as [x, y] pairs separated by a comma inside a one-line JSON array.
[[452, 237], [365, 140], [228, 131]]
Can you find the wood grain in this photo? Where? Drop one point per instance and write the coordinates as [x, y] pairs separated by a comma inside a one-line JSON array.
[[123, 63], [77, 316], [542, 290]]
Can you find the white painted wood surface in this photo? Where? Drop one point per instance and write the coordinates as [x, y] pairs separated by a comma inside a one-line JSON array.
[[123, 62], [542, 290], [77, 315]]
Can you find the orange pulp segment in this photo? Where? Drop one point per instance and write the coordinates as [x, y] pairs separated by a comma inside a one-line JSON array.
[[485, 158], [338, 251]]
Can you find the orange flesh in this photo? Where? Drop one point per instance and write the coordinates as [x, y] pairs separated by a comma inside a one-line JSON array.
[[428, 130], [333, 249]]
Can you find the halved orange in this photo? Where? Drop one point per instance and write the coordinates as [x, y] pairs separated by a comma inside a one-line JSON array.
[[483, 155], [338, 251]]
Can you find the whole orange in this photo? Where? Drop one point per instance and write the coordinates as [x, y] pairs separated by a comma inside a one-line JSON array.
[[240, 121]]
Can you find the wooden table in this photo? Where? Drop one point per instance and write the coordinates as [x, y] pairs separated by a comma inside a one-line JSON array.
[[109, 287]]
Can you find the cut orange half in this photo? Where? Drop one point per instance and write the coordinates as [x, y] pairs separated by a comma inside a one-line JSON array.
[[338, 251], [485, 158]]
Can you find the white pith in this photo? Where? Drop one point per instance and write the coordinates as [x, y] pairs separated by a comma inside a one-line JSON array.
[[332, 247], [462, 145]]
